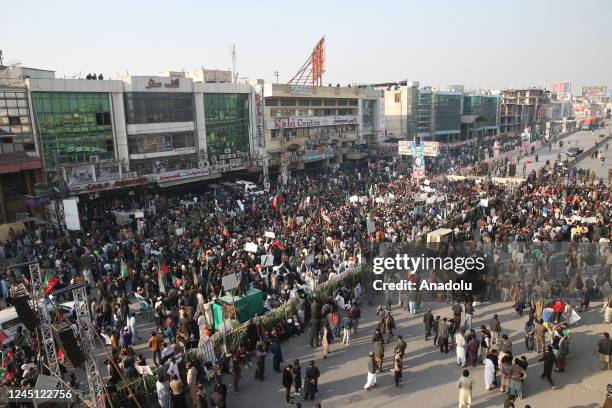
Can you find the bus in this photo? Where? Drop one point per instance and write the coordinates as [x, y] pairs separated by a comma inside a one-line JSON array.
[[591, 123]]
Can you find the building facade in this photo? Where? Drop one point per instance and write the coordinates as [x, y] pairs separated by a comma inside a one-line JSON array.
[[308, 127], [522, 109], [480, 116], [439, 115], [166, 130], [20, 167]]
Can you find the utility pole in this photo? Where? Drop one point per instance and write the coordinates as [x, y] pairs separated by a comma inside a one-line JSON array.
[[276, 75], [234, 73]]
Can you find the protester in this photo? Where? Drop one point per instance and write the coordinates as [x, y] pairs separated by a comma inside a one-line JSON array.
[[466, 385]]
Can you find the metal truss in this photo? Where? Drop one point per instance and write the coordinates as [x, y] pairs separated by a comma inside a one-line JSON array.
[[45, 320], [88, 343]]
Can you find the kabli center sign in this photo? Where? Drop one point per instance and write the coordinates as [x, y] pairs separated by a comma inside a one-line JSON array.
[[309, 121]]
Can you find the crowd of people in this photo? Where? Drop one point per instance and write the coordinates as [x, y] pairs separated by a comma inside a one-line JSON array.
[[171, 262]]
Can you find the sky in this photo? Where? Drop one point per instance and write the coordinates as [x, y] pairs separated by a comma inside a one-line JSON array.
[[478, 43]]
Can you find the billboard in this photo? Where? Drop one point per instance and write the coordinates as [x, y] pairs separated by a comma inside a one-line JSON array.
[[594, 91], [562, 87]]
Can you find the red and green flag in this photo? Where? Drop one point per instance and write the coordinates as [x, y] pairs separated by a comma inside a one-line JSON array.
[[124, 269], [278, 244], [162, 270]]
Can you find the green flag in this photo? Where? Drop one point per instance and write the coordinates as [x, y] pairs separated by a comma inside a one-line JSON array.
[[124, 269]]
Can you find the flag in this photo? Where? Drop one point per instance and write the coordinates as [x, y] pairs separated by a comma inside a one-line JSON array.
[[278, 198], [162, 270], [51, 284], [278, 244], [124, 269], [160, 281]]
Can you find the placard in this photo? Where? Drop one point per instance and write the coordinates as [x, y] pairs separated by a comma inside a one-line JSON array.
[[267, 260], [251, 247], [269, 234]]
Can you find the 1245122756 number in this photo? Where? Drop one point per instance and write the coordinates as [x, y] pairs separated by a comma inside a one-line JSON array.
[[29, 394]]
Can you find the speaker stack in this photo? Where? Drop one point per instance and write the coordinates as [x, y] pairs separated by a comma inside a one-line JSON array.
[[64, 334]]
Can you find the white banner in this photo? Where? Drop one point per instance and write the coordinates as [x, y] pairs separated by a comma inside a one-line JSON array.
[[71, 215], [269, 234], [250, 247]]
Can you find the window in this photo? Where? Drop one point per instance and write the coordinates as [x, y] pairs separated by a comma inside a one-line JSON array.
[[73, 126], [329, 102], [303, 102], [342, 102], [227, 122], [271, 102], [287, 102], [14, 120], [315, 102], [158, 107]]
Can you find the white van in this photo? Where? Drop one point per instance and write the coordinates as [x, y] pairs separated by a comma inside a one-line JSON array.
[[249, 187]]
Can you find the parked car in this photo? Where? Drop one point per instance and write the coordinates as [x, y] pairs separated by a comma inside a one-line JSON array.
[[574, 151]]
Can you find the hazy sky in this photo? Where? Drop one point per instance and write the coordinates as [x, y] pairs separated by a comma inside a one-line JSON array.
[[484, 43]]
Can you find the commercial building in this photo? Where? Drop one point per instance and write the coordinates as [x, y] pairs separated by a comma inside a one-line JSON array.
[[480, 116], [166, 130], [308, 127], [401, 104], [439, 115], [20, 166], [521, 109]]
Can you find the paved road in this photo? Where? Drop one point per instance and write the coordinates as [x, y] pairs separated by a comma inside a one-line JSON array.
[[601, 168], [430, 378], [584, 139]]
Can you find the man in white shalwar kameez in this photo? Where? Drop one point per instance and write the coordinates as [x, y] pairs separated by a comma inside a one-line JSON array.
[[489, 374]]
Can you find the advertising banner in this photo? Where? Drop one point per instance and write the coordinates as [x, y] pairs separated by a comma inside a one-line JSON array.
[[71, 215]]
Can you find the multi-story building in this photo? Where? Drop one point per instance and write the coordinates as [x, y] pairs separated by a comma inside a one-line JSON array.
[[309, 127], [522, 108], [400, 103], [480, 116], [439, 115], [167, 130], [20, 166]]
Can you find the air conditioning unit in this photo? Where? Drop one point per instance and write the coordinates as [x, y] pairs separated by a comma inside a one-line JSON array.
[[94, 159], [202, 164]]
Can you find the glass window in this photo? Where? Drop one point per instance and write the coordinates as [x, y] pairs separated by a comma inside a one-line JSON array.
[[157, 107], [287, 102], [73, 126], [329, 102], [303, 102], [227, 122]]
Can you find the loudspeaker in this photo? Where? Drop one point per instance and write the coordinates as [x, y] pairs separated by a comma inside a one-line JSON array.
[[512, 170], [25, 313], [65, 336]]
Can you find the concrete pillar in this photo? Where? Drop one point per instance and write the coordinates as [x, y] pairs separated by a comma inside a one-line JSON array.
[[200, 126], [121, 142], [2, 206]]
